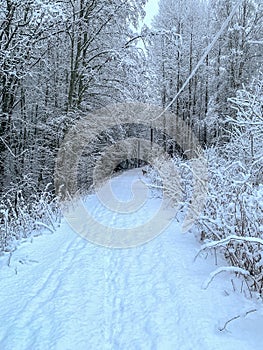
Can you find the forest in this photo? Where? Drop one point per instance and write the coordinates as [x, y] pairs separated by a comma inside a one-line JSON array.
[[61, 60]]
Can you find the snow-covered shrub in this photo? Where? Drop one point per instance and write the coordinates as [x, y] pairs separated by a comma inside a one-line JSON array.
[[234, 202], [172, 178], [233, 215], [23, 211]]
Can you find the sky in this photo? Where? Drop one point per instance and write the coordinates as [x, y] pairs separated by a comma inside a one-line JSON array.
[[151, 10]]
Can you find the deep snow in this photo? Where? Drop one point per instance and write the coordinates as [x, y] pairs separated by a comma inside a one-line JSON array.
[[59, 291]]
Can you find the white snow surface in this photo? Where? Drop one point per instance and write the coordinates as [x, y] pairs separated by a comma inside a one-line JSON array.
[[61, 292]]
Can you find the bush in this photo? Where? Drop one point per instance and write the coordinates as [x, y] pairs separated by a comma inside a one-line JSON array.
[[23, 211], [232, 221]]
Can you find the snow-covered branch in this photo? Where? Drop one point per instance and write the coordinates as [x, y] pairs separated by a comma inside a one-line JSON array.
[[231, 269], [224, 241]]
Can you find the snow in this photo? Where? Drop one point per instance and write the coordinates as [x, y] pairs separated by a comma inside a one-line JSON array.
[[60, 291]]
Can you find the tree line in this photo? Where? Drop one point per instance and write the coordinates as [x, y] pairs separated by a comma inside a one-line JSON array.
[[60, 59]]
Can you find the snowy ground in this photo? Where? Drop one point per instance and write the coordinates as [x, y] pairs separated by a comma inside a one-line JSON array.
[[62, 292]]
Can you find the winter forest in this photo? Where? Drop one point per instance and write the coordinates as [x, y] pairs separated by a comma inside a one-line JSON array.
[[61, 60]]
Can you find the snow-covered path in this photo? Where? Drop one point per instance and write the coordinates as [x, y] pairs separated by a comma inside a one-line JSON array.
[[61, 292]]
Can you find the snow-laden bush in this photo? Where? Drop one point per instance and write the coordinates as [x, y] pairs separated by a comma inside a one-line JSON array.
[[23, 211], [233, 217], [172, 178], [234, 203]]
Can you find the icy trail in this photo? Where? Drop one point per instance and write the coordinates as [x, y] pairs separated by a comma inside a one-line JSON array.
[[61, 292]]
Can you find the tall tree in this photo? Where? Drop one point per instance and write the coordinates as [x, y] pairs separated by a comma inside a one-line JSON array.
[[178, 40], [59, 58], [236, 59]]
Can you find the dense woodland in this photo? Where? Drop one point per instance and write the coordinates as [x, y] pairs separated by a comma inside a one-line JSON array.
[[62, 59]]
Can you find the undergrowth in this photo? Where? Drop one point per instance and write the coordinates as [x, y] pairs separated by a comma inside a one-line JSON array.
[[24, 211]]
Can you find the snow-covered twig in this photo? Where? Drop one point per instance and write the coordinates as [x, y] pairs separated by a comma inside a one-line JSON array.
[[235, 318], [10, 151], [226, 240], [232, 269], [39, 223], [151, 185], [259, 42]]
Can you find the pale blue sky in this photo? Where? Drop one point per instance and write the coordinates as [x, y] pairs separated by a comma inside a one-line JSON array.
[[151, 10]]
